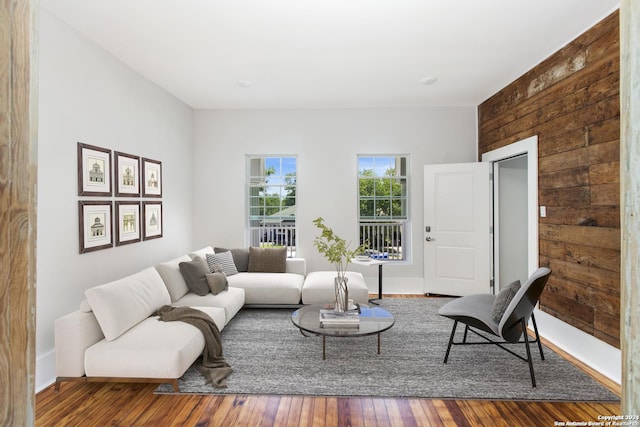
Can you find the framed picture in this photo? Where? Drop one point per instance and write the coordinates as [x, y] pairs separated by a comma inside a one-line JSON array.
[[127, 171], [127, 223], [94, 170], [152, 220], [152, 178], [95, 221]]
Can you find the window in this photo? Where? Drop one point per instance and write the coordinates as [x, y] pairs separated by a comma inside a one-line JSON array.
[[272, 201], [383, 200]]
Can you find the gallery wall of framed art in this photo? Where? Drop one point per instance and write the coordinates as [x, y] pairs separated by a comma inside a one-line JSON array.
[[112, 188]]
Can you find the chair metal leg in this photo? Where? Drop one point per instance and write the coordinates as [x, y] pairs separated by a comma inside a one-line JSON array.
[[526, 343], [453, 332], [535, 328]]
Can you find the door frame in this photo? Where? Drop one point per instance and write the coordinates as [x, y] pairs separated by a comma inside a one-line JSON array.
[[528, 146]]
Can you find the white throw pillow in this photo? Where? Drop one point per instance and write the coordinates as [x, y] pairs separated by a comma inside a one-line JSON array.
[[202, 253], [173, 278], [122, 304]]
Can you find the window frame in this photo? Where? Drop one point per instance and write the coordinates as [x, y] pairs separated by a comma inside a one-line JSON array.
[[403, 220], [256, 186]]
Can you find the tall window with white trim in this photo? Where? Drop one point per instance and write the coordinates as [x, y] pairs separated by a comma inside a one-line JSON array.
[[272, 187], [383, 200]]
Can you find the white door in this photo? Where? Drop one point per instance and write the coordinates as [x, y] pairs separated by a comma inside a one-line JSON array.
[[457, 221]]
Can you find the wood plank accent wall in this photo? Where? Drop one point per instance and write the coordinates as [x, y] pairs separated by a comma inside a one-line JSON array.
[[571, 101], [18, 167]]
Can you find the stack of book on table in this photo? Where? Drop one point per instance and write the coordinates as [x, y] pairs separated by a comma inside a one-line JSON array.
[[330, 318]]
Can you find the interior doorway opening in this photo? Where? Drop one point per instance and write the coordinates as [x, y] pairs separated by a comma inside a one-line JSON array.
[[510, 215], [515, 222]]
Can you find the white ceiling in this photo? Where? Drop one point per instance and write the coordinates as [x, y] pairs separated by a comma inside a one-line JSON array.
[[330, 53]]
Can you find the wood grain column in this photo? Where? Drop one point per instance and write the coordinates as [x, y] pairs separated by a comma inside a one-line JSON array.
[[18, 168], [630, 203]]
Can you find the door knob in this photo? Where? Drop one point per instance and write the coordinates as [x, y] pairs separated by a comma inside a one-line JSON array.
[[429, 239]]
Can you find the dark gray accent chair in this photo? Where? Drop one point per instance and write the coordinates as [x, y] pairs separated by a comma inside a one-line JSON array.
[[475, 312]]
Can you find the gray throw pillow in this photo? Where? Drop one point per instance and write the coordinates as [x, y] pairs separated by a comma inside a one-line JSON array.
[[217, 282], [268, 260], [240, 257], [503, 299], [194, 273], [225, 260]]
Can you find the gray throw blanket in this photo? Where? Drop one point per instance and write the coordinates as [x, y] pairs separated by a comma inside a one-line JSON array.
[[214, 368]]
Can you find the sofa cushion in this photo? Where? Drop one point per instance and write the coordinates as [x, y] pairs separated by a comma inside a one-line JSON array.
[[217, 282], [240, 257], [151, 349], [231, 300], [267, 260], [269, 288], [120, 305], [172, 277], [319, 287], [225, 260], [195, 274]]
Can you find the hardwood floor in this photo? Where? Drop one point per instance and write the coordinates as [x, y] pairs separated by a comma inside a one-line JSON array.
[[124, 404], [94, 404]]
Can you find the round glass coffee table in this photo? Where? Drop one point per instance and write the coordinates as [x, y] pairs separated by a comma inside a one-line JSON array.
[[373, 320]]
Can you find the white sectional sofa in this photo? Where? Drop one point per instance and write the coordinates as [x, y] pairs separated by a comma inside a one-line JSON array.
[[114, 337], [267, 289]]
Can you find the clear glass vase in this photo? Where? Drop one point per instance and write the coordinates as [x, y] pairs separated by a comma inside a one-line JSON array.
[[342, 294]]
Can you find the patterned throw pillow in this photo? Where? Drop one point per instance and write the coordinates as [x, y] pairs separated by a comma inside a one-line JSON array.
[[503, 299], [240, 257], [225, 260]]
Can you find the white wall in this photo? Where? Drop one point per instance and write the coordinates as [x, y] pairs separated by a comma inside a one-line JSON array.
[[326, 143], [88, 96]]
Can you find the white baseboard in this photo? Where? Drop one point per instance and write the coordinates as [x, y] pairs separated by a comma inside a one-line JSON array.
[[45, 370], [595, 353]]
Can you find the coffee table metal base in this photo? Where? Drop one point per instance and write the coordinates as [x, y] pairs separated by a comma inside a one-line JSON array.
[[324, 346]]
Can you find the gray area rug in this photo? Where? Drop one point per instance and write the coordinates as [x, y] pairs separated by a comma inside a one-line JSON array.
[[269, 355]]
